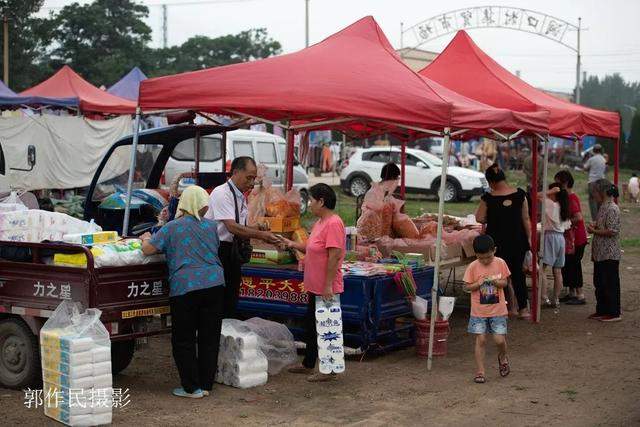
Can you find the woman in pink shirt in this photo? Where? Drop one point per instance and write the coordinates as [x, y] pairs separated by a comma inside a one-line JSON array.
[[322, 273]]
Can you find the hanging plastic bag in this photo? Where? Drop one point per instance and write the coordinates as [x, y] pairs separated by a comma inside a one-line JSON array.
[[281, 205], [12, 203], [257, 198]]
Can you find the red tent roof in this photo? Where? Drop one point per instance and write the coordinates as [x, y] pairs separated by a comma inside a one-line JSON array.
[[354, 73], [466, 69], [66, 83]]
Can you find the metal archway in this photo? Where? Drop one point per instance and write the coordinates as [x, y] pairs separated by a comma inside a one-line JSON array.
[[512, 18]]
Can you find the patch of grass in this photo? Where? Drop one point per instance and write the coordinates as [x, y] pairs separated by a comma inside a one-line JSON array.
[[417, 205], [631, 243], [570, 393]]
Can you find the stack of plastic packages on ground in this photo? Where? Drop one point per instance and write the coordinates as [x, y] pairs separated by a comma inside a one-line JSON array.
[[252, 350], [76, 367]]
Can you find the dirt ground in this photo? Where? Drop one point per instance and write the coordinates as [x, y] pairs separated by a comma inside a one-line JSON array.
[[566, 371]]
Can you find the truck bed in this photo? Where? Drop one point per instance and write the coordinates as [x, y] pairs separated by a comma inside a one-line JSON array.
[[123, 294]]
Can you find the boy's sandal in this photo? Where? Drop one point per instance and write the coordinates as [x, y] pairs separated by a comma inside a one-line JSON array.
[[479, 379], [503, 367]]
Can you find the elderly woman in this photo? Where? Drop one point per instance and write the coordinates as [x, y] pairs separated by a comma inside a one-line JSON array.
[[196, 281], [506, 213], [605, 252], [322, 273]]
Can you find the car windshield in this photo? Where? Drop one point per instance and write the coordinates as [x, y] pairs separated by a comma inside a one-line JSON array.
[[115, 174], [429, 158]]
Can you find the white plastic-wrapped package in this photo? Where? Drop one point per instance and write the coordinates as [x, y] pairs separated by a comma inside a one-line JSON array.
[[36, 225], [276, 342], [76, 364], [240, 361]]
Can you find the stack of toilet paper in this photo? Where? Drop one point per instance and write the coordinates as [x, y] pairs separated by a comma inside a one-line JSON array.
[[240, 362], [35, 226], [76, 374]]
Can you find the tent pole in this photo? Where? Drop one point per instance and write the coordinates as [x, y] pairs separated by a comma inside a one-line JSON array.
[[197, 152], [535, 318], [616, 161], [436, 273], [288, 173], [132, 171], [403, 168]]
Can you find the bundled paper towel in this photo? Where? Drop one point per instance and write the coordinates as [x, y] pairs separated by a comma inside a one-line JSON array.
[[240, 362], [76, 367]]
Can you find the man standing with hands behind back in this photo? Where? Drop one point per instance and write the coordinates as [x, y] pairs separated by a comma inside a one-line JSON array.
[[228, 206], [597, 168]]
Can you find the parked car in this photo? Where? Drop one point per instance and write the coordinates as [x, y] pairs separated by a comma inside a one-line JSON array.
[[265, 148], [422, 174]]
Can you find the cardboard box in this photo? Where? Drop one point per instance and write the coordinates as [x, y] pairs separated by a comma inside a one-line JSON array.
[[281, 225], [271, 257]]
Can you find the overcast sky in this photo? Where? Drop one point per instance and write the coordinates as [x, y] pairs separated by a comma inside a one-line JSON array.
[[610, 43]]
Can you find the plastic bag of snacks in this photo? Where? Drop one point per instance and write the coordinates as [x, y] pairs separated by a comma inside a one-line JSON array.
[[281, 205], [403, 226], [379, 202], [258, 196]]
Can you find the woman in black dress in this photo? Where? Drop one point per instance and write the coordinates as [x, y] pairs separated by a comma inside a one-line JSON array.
[[506, 213]]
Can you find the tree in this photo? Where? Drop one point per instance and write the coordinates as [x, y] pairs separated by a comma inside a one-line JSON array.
[[101, 40], [200, 52], [633, 144], [27, 46]]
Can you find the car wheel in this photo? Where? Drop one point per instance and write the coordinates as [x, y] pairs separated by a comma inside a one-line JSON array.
[[358, 186], [19, 355], [450, 192], [121, 355], [304, 201]]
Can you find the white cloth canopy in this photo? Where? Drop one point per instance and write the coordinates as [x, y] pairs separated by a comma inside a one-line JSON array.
[[68, 149]]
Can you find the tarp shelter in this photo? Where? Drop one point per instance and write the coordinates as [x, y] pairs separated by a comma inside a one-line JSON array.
[[9, 98], [129, 85], [466, 69], [69, 149], [353, 81], [66, 83]]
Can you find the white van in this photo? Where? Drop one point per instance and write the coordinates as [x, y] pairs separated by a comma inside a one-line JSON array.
[[264, 148]]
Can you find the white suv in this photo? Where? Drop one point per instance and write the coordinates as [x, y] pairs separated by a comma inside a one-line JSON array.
[[422, 173]]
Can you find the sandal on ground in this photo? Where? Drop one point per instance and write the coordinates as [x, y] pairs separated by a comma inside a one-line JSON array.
[[300, 369], [321, 378], [479, 379], [503, 367], [526, 315]]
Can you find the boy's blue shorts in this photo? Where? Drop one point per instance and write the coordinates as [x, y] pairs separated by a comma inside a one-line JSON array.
[[488, 325]]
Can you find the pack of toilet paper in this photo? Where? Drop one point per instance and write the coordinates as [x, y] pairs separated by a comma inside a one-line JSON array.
[[76, 367], [36, 225], [241, 363]]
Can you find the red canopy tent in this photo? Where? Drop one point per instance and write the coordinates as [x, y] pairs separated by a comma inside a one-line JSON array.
[[66, 83], [353, 82], [466, 69]]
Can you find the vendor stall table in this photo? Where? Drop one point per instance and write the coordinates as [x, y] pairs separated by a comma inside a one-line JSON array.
[[373, 307]]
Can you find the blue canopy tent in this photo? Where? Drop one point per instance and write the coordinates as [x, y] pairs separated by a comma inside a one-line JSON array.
[[10, 98], [128, 86]]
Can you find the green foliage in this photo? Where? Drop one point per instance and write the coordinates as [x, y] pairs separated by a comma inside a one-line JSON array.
[[203, 52], [104, 39], [633, 144], [101, 40], [613, 93], [27, 42]]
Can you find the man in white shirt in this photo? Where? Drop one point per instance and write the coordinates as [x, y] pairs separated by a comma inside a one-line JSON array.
[[224, 208], [597, 168]]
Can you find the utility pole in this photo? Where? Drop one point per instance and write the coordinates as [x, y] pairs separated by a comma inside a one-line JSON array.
[[164, 26], [578, 64], [306, 23], [5, 24]]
